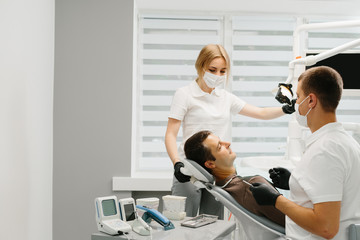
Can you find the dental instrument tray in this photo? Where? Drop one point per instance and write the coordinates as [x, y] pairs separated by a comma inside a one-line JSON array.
[[199, 221]]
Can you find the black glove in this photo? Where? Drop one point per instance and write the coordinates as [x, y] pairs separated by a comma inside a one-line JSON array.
[[179, 175], [289, 108], [280, 177], [264, 194]]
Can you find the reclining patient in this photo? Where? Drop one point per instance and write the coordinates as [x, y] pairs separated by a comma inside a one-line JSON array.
[[217, 158]]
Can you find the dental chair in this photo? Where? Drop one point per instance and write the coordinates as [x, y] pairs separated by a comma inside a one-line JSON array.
[[253, 226]]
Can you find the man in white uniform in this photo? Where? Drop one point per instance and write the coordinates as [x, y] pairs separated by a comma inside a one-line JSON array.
[[324, 186]]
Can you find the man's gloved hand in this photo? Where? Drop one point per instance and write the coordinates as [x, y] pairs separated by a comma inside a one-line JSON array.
[[264, 194], [178, 174], [289, 108], [280, 177]]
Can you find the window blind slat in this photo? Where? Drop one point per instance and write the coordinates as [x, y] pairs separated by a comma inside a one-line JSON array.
[[258, 147], [326, 43], [263, 40], [187, 24], [242, 119], [155, 116], [348, 118], [332, 31], [155, 69], [349, 104], [262, 101], [168, 54], [164, 84], [262, 24], [153, 147], [156, 131], [252, 132], [189, 39], [262, 55], [155, 164], [255, 86], [156, 100], [264, 71]]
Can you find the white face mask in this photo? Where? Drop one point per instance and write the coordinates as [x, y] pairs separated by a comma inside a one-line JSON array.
[[212, 80], [302, 120]]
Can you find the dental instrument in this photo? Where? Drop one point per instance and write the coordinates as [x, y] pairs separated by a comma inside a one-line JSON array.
[[152, 214], [247, 182]]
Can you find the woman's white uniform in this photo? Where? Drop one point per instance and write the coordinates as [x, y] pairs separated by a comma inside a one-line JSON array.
[[198, 111], [328, 171]]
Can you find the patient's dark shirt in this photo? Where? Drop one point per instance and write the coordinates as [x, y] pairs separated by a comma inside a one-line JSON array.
[[242, 194]]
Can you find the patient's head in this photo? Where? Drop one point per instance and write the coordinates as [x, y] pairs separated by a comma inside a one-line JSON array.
[[210, 152], [195, 149]]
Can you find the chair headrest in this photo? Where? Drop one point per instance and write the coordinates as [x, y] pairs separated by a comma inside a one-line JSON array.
[[197, 171]]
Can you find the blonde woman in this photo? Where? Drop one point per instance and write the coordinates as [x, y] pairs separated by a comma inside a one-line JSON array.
[[202, 106]]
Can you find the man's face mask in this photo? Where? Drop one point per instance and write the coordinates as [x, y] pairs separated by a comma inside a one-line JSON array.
[[212, 80], [302, 120]]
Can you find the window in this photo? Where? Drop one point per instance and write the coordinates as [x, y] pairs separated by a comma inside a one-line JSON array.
[[261, 51], [168, 48], [260, 48]]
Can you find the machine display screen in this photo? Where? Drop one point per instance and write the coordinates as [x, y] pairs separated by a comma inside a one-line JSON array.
[[129, 212], [346, 64], [109, 207]]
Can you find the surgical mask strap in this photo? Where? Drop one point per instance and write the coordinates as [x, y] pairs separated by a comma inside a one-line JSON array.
[[301, 119], [304, 99], [302, 102], [308, 112]]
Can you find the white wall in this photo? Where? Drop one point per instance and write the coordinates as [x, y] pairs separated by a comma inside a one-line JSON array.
[[92, 109], [26, 96]]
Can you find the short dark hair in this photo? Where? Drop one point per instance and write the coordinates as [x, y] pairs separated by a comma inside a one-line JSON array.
[[326, 83], [195, 149]]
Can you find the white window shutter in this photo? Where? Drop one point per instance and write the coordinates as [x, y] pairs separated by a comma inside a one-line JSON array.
[[168, 49], [262, 49]]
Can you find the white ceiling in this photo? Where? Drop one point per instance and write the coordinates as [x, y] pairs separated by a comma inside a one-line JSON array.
[[341, 8]]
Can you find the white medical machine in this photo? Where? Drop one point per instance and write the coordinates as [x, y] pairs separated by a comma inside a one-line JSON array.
[[108, 216], [128, 214], [295, 145], [285, 94]]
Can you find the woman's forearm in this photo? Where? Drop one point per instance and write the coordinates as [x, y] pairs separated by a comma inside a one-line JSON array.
[[170, 139], [171, 148]]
